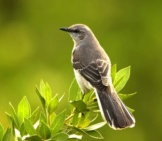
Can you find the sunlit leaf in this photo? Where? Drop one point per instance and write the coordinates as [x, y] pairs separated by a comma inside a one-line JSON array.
[[74, 91], [93, 134], [43, 118], [93, 116], [61, 97], [29, 127], [113, 72], [53, 104], [121, 78], [22, 130], [52, 117], [42, 88], [86, 119], [75, 119], [93, 106], [14, 116], [60, 137], [88, 96], [44, 130], [7, 135], [83, 119], [85, 123], [9, 117], [80, 120], [95, 126], [35, 115], [58, 123], [24, 110], [47, 94], [125, 96], [43, 102], [130, 109]]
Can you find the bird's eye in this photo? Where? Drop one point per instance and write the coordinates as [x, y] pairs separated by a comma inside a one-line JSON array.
[[76, 31]]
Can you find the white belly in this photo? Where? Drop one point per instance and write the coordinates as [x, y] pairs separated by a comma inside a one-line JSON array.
[[82, 82]]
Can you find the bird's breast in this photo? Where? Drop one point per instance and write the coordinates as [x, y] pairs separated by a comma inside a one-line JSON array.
[[82, 82]]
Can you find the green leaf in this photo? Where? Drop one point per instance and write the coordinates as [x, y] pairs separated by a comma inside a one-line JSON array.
[[95, 126], [125, 96], [75, 119], [85, 119], [61, 97], [130, 109], [113, 72], [60, 137], [43, 118], [7, 135], [44, 93], [47, 94], [58, 123], [85, 123], [79, 105], [9, 117], [81, 118], [52, 117], [93, 116], [42, 88], [74, 91], [29, 127], [43, 102], [35, 116], [24, 110], [88, 96], [44, 130], [1, 132], [19, 139], [33, 138], [93, 106], [121, 78], [14, 116], [53, 104], [93, 134], [22, 130]]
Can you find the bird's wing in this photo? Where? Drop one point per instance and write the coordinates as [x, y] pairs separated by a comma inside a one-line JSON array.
[[104, 71], [97, 73]]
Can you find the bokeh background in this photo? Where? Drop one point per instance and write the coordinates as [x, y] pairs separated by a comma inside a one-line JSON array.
[[32, 48]]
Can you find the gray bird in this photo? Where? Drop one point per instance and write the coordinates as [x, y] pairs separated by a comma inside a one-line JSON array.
[[92, 69]]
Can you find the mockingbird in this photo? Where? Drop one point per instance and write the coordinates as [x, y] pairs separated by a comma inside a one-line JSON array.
[[92, 69]]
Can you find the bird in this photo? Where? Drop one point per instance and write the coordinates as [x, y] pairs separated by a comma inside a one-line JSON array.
[[92, 69]]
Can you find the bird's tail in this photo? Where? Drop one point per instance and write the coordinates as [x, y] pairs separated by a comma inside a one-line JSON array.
[[114, 110]]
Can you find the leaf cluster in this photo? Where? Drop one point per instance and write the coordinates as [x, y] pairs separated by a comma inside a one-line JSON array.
[[45, 124]]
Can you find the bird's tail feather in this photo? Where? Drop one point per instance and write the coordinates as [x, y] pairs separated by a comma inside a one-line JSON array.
[[114, 110]]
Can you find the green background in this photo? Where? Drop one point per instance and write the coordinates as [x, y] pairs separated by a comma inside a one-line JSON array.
[[32, 48]]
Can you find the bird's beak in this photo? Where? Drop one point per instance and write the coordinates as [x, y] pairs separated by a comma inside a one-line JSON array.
[[65, 29]]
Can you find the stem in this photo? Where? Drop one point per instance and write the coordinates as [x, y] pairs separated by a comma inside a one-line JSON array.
[[69, 117], [48, 117]]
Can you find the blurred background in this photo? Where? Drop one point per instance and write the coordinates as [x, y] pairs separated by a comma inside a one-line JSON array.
[[32, 48]]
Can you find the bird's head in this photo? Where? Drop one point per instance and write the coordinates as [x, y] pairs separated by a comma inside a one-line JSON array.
[[78, 32]]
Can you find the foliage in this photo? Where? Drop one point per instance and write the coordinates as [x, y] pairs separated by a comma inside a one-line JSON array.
[[46, 124]]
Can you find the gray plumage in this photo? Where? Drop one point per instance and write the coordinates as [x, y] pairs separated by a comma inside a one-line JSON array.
[[92, 69]]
